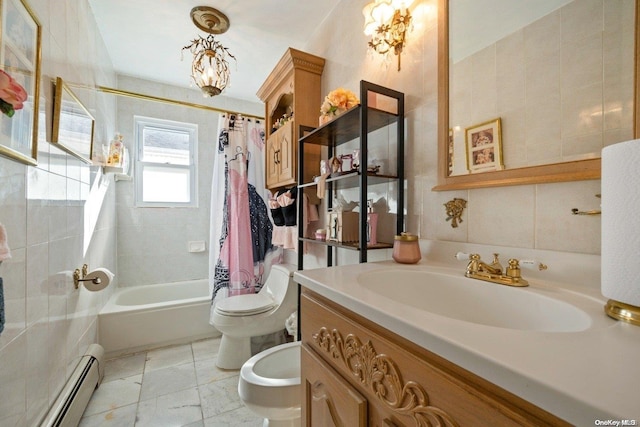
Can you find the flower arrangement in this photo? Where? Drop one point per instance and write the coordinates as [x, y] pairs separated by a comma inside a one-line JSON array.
[[337, 102], [12, 94]]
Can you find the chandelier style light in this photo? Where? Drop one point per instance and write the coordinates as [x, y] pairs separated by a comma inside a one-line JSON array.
[[210, 68], [387, 22]]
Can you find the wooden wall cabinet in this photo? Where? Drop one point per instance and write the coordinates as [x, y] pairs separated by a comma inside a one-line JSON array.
[[280, 162], [400, 382], [293, 86]]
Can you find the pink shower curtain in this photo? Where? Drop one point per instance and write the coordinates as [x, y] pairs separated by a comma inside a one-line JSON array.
[[241, 249]]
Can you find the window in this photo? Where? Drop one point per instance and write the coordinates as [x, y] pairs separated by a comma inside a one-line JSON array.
[[166, 153]]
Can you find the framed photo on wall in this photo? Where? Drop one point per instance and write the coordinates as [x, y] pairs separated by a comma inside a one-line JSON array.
[[73, 124], [20, 47], [484, 147]]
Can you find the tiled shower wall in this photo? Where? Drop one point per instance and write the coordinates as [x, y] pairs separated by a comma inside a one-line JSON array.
[[153, 242], [58, 216]]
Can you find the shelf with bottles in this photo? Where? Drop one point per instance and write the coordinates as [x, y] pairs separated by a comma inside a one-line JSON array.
[[120, 171], [376, 124], [115, 158], [348, 126], [347, 245], [351, 179]]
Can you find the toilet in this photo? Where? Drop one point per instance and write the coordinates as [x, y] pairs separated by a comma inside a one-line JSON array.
[[241, 317], [269, 385]]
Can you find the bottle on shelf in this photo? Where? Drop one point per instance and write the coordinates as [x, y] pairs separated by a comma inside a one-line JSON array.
[[372, 224]]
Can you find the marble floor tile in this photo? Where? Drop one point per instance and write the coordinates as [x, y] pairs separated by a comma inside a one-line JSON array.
[[219, 396], [176, 409], [241, 417], [124, 367], [172, 386], [207, 371], [206, 349], [168, 356], [167, 380], [120, 417], [114, 394]]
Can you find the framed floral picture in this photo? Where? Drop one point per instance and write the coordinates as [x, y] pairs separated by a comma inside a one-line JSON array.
[[484, 147], [73, 124], [20, 44]]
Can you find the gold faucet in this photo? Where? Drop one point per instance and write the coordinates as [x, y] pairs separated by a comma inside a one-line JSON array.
[[477, 269]]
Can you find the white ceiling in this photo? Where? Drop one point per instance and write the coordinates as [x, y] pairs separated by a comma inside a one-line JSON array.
[[145, 37]]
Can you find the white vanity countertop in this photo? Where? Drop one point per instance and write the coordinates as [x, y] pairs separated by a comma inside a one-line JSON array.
[[581, 377]]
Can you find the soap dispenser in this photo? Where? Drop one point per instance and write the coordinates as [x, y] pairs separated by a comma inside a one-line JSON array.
[[372, 224]]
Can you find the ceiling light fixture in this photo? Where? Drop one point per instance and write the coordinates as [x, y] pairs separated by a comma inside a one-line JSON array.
[[210, 68], [387, 22]]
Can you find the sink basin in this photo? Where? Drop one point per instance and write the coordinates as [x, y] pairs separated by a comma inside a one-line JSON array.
[[479, 302]]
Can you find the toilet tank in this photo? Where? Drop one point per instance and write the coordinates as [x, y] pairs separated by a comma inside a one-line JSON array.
[[279, 281]]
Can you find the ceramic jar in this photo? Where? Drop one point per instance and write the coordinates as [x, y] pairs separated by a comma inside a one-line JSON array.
[[406, 249]]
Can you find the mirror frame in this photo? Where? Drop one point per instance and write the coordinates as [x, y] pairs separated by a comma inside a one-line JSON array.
[[556, 172], [63, 94]]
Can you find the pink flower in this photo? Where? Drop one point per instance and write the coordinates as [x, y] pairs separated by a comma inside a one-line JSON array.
[[11, 92]]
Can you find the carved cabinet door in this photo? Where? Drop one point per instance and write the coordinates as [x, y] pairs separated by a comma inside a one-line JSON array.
[[280, 157], [272, 167], [329, 399], [286, 156]]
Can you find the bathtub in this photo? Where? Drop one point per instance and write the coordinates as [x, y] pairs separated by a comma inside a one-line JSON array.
[[150, 316]]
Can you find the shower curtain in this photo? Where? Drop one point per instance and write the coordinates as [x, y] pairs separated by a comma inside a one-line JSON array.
[[241, 250]]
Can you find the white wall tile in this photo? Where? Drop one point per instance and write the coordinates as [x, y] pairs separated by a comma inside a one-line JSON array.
[[502, 216], [557, 228], [50, 323], [13, 403]]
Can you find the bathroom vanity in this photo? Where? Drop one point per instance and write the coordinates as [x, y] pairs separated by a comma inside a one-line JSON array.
[[376, 351]]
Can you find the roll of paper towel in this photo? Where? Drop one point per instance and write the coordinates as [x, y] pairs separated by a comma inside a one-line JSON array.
[[621, 222], [97, 279]]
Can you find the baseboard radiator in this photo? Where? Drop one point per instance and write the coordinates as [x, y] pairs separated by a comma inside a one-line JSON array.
[[74, 397]]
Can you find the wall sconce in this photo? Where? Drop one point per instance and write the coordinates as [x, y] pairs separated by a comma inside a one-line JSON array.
[[209, 69], [387, 22]]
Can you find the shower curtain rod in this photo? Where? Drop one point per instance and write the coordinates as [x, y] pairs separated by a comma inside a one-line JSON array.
[[130, 94]]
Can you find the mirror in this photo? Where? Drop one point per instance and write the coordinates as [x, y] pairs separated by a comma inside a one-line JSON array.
[[73, 124], [554, 149]]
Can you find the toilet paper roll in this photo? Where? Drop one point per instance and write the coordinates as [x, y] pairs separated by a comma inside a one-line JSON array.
[[621, 222], [97, 279]]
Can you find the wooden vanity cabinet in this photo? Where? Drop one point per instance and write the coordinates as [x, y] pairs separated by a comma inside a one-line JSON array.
[[401, 383], [293, 86], [329, 399]]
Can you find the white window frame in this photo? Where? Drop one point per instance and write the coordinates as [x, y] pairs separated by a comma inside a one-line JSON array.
[[140, 124]]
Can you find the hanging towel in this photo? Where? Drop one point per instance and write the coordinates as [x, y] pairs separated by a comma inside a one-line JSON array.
[[287, 201], [321, 185], [276, 212], [286, 235], [5, 253]]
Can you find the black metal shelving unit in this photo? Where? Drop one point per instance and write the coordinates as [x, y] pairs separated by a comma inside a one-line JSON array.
[[357, 122]]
